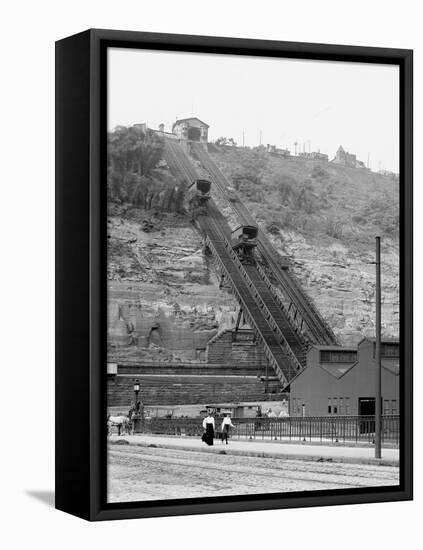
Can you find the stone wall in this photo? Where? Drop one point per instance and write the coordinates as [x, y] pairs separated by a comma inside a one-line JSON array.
[[165, 385], [241, 349]]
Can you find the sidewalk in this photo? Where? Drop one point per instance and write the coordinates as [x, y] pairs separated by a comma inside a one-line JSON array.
[[268, 449]]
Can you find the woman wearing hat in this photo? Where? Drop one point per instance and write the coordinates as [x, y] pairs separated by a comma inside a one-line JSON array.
[[226, 425], [208, 425]]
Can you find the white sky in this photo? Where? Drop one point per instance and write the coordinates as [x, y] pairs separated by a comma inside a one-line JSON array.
[[324, 103]]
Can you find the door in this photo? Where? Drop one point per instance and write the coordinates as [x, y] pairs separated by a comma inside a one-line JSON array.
[[367, 407]]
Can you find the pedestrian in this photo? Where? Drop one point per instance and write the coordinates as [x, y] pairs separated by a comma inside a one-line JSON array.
[[271, 414], [208, 425], [226, 424], [131, 411]]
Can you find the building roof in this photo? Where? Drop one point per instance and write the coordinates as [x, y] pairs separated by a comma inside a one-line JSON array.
[[335, 348], [391, 365], [188, 119], [387, 340]]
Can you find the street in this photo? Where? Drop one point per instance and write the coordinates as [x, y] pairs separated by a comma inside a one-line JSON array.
[[148, 473]]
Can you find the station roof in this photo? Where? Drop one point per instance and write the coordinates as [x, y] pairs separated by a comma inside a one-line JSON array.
[[187, 120]]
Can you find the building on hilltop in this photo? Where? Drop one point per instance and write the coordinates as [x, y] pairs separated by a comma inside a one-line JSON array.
[[272, 149], [192, 129], [347, 159], [389, 174], [314, 155]]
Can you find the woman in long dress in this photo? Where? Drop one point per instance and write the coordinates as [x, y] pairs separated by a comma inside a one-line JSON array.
[[226, 424], [208, 425]]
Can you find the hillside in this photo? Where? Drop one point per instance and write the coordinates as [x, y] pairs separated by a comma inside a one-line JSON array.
[[325, 217], [164, 296]]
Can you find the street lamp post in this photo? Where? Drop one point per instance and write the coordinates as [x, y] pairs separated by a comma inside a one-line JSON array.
[[136, 415], [136, 391], [378, 396]]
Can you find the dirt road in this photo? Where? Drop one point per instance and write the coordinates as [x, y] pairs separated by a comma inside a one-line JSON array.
[[147, 473]]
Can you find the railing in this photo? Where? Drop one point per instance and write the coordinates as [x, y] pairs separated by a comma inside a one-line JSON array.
[[323, 429]]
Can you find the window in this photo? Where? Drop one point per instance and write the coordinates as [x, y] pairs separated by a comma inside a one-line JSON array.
[[394, 406], [338, 356], [200, 354], [390, 350], [386, 407], [329, 405], [387, 350], [347, 405], [335, 405], [341, 405]]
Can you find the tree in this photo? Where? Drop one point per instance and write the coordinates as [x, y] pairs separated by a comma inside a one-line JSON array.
[[133, 153], [226, 141]]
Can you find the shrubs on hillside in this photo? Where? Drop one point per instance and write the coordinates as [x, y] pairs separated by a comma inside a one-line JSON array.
[[322, 200], [319, 173], [225, 141], [134, 175], [383, 214]]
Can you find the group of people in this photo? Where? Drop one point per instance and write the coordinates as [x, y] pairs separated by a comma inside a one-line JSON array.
[[209, 428]]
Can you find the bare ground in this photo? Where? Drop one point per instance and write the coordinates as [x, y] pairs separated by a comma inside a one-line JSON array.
[[139, 473]]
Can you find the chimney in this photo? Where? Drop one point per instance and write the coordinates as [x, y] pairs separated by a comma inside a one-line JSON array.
[[161, 127]]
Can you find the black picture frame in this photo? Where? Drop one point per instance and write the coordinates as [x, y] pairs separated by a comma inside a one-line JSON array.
[[81, 283]]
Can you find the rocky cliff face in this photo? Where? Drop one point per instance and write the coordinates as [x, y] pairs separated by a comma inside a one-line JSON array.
[[164, 302], [341, 282]]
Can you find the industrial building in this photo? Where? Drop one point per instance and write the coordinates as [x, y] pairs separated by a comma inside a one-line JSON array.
[[342, 380]]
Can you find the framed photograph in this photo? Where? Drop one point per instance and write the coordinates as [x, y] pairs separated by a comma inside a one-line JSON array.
[[234, 274]]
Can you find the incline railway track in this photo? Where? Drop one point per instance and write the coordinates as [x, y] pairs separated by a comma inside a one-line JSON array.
[[314, 325], [278, 354], [275, 311], [260, 308]]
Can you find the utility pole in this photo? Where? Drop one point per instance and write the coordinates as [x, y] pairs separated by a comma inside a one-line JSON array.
[[378, 397], [295, 145]]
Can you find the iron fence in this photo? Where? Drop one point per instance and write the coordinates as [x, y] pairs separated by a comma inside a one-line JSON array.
[[334, 429]]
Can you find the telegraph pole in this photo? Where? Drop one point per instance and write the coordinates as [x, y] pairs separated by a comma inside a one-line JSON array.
[[378, 397]]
